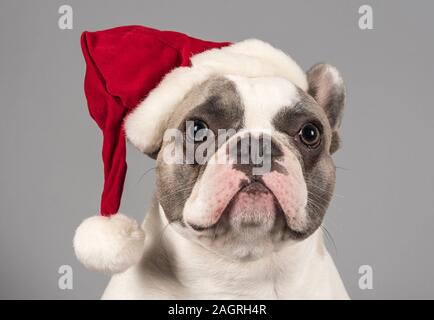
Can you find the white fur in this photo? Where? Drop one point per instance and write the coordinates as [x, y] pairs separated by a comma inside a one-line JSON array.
[[109, 244], [250, 58], [175, 267], [263, 98]]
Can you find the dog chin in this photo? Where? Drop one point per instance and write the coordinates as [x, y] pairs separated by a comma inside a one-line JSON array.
[[253, 208]]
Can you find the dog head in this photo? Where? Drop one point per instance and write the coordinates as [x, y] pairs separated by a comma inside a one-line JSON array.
[[245, 163]]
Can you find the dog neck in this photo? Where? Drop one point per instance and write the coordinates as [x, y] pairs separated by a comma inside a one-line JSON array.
[[207, 274]]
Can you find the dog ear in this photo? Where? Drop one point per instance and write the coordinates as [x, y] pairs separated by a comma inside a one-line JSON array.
[[327, 88]]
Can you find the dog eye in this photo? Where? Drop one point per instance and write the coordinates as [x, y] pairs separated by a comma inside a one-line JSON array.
[[310, 135], [197, 130]]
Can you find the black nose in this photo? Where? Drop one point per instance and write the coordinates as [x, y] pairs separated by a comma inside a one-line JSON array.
[[254, 150]]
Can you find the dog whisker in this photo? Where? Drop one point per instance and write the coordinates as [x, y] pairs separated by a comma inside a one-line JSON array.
[[145, 173], [329, 237]]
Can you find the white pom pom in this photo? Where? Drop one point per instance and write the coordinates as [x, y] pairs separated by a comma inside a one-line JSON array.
[[109, 244]]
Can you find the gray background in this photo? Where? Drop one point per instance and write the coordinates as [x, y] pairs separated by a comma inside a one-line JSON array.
[[50, 164]]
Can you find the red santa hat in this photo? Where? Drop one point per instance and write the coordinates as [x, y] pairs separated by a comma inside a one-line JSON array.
[[135, 77]]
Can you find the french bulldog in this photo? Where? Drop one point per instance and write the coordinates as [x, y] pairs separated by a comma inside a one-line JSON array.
[[222, 230]]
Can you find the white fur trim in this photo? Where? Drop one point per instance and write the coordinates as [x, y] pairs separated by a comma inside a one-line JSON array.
[[109, 244], [250, 58]]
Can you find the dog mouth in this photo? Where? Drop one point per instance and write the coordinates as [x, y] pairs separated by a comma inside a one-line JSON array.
[[254, 205], [254, 188]]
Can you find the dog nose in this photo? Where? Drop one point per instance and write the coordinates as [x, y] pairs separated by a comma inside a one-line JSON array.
[[254, 150]]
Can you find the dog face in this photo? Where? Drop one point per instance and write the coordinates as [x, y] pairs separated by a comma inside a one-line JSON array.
[[246, 209]]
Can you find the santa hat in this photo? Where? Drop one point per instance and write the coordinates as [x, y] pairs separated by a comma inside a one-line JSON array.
[[135, 77]]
